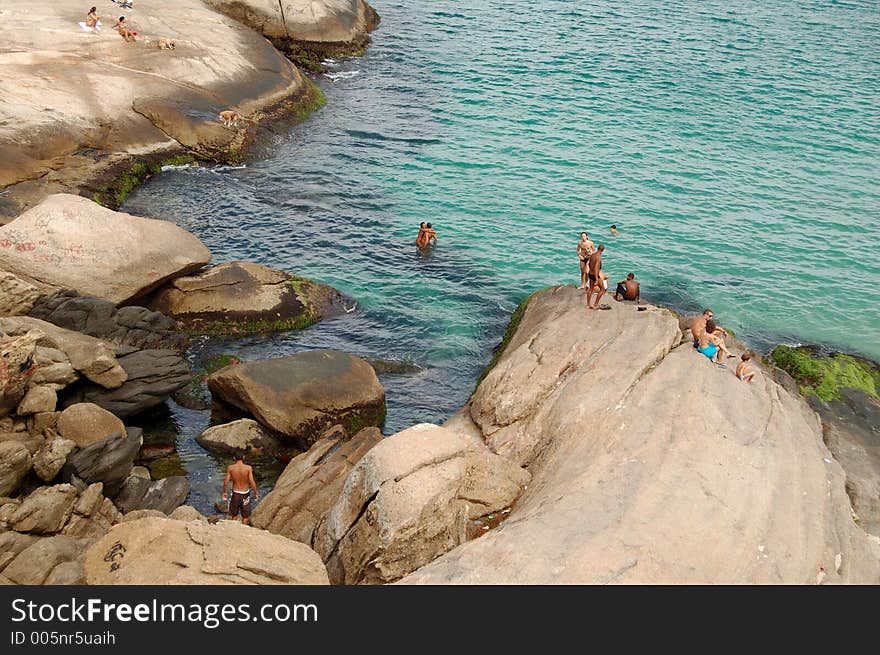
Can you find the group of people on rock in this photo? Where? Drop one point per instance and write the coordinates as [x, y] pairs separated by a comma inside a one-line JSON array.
[[93, 23], [707, 334], [709, 341], [595, 280]]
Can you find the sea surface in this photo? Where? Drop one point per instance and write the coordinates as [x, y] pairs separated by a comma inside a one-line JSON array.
[[736, 145]]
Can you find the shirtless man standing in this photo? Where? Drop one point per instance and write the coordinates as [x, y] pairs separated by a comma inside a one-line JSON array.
[[585, 248], [594, 277], [242, 477]]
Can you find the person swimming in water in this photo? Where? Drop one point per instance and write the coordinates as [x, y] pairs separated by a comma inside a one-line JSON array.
[[613, 229], [430, 235]]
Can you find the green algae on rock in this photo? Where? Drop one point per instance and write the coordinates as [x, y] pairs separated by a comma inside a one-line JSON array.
[[825, 375], [246, 298]]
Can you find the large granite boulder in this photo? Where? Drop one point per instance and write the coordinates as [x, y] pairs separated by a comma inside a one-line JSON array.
[[46, 510], [243, 434], [152, 376], [241, 297], [38, 400], [136, 327], [302, 395], [650, 464], [16, 295], [93, 358], [108, 461], [851, 427], [70, 242], [85, 423], [164, 495], [51, 561], [311, 484], [409, 500], [15, 462], [323, 26], [156, 551]]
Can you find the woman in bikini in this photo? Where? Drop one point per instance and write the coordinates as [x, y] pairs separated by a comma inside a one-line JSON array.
[[712, 345], [123, 30], [584, 250], [93, 20]]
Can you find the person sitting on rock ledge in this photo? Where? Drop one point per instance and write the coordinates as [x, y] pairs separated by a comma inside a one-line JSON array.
[[124, 32], [712, 345], [699, 324], [743, 370], [242, 477], [628, 289]]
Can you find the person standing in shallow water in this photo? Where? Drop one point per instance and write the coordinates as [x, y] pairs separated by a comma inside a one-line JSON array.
[[422, 238], [242, 477], [431, 234]]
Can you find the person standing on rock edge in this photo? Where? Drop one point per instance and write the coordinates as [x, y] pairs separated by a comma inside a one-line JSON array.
[[594, 277], [242, 477], [585, 248]]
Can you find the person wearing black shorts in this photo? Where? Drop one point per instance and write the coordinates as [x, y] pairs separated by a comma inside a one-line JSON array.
[[242, 477]]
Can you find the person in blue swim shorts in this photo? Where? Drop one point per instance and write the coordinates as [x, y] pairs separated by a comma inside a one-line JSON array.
[[712, 345]]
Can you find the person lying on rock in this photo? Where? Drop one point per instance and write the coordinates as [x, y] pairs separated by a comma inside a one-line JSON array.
[[124, 32], [744, 370], [242, 477], [628, 289], [711, 344]]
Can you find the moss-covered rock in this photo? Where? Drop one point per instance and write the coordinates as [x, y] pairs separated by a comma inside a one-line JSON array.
[[195, 395], [239, 298], [515, 318], [824, 375]]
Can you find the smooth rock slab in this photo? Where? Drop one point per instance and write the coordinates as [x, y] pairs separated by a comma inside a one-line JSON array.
[[311, 484], [164, 495], [109, 461], [155, 551], [302, 395], [409, 500], [70, 242]]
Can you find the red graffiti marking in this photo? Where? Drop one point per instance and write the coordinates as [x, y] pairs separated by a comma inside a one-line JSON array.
[[27, 245], [5, 243]]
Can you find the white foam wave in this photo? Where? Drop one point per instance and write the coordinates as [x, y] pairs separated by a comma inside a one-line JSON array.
[[341, 75]]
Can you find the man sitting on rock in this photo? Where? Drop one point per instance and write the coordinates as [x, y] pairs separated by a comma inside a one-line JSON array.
[[699, 325], [628, 288], [242, 477]]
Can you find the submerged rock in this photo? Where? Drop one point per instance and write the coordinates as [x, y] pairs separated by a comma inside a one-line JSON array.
[[408, 501], [158, 551], [243, 434], [302, 395], [74, 243], [241, 298]]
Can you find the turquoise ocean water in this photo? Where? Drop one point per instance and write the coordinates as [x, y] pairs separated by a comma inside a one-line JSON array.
[[735, 144]]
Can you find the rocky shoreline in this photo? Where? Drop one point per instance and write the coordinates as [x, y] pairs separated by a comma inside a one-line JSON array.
[[595, 448]]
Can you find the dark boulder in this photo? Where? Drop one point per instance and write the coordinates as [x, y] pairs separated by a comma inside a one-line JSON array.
[[109, 461], [153, 375], [164, 495]]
